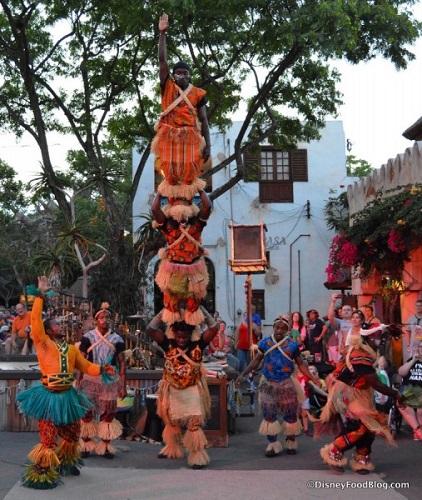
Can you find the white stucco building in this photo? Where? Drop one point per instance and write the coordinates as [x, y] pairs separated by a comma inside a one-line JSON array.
[[297, 240]]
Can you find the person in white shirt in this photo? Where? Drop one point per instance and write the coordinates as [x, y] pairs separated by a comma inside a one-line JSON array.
[[342, 325], [413, 330]]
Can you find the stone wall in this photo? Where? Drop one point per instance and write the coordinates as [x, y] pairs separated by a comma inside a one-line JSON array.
[[405, 169]]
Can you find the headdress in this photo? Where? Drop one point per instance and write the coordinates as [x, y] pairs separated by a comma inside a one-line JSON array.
[[391, 331], [284, 318], [104, 308], [188, 191], [360, 314]]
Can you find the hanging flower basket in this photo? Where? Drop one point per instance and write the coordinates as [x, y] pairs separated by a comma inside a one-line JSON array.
[[381, 239]]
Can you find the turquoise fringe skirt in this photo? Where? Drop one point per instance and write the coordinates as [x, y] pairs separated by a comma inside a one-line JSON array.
[[61, 407]]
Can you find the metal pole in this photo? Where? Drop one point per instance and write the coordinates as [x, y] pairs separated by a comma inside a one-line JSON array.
[[248, 286], [291, 270], [299, 280]]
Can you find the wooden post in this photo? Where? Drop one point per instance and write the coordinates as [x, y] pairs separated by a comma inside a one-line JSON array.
[[248, 293]]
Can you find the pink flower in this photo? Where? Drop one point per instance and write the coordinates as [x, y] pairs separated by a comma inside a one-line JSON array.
[[395, 241], [343, 254]]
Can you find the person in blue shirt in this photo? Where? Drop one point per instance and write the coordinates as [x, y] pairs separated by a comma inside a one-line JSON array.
[[256, 320]]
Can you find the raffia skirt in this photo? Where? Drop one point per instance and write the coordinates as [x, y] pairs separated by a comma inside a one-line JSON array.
[[278, 398], [178, 405], [355, 404], [60, 407]]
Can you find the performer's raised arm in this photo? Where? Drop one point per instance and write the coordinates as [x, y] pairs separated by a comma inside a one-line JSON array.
[[205, 211], [156, 209], [212, 325], [163, 25], [154, 328]]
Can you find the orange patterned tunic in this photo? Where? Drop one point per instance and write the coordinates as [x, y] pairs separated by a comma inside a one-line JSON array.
[[54, 362], [184, 252], [178, 144], [182, 115], [182, 370]]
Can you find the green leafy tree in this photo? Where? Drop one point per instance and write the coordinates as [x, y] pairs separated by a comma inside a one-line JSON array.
[[88, 68], [336, 212], [12, 196], [14, 235], [357, 168]]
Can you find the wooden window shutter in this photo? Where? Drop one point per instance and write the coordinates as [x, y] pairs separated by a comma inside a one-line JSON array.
[[251, 160], [275, 192], [299, 164]]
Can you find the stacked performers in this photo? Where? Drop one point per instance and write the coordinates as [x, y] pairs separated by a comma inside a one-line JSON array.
[[182, 146]]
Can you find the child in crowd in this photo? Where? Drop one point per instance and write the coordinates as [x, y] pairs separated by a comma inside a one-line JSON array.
[[305, 406], [382, 401]]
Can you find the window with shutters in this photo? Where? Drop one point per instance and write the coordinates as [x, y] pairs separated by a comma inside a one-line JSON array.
[[276, 171]]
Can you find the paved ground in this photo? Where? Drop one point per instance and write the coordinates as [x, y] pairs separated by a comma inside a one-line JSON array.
[[239, 471]]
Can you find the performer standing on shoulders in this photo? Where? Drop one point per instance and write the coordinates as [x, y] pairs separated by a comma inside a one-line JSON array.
[[182, 275], [56, 403], [182, 143], [181, 147]]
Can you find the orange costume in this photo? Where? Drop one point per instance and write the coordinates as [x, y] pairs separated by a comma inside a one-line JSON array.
[[57, 405], [179, 144], [352, 398], [20, 324], [183, 397], [54, 359], [20, 330], [183, 274]]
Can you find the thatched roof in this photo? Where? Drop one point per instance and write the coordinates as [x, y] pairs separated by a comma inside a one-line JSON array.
[[414, 132]]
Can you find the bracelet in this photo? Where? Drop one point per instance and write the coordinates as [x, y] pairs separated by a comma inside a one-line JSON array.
[[33, 290], [37, 292]]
